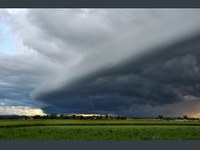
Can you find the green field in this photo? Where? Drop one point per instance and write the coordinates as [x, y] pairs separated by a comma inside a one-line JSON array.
[[98, 130]]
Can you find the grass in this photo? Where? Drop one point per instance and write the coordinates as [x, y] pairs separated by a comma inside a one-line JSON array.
[[61, 122], [98, 130]]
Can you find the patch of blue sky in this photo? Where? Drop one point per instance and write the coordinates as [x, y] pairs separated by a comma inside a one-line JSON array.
[[7, 40]]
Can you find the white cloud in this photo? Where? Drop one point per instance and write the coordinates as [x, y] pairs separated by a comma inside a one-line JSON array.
[[20, 110]]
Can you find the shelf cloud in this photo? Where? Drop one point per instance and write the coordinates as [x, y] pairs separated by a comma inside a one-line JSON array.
[[141, 62]]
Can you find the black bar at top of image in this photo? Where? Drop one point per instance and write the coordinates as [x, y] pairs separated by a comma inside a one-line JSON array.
[[99, 3]]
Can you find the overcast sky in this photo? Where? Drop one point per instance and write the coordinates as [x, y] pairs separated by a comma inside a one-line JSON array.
[[138, 62]]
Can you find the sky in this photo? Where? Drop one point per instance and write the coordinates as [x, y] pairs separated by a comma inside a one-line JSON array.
[[134, 62]]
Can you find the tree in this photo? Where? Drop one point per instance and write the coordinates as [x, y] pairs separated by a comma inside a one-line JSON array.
[[160, 117], [185, 117]]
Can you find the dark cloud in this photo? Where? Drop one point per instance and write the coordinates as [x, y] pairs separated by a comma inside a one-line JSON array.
[[167, 76], [124, 61]]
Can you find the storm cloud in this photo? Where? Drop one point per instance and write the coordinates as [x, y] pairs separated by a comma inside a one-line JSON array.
[[166, 77], [141, 62]]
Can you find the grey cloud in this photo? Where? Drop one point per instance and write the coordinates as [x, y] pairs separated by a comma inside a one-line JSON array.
[[20, 75], [131, 28], [124, 61], [105, 81], [151, 82]]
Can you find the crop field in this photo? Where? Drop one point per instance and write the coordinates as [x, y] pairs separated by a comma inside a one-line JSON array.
[[103, 130]]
